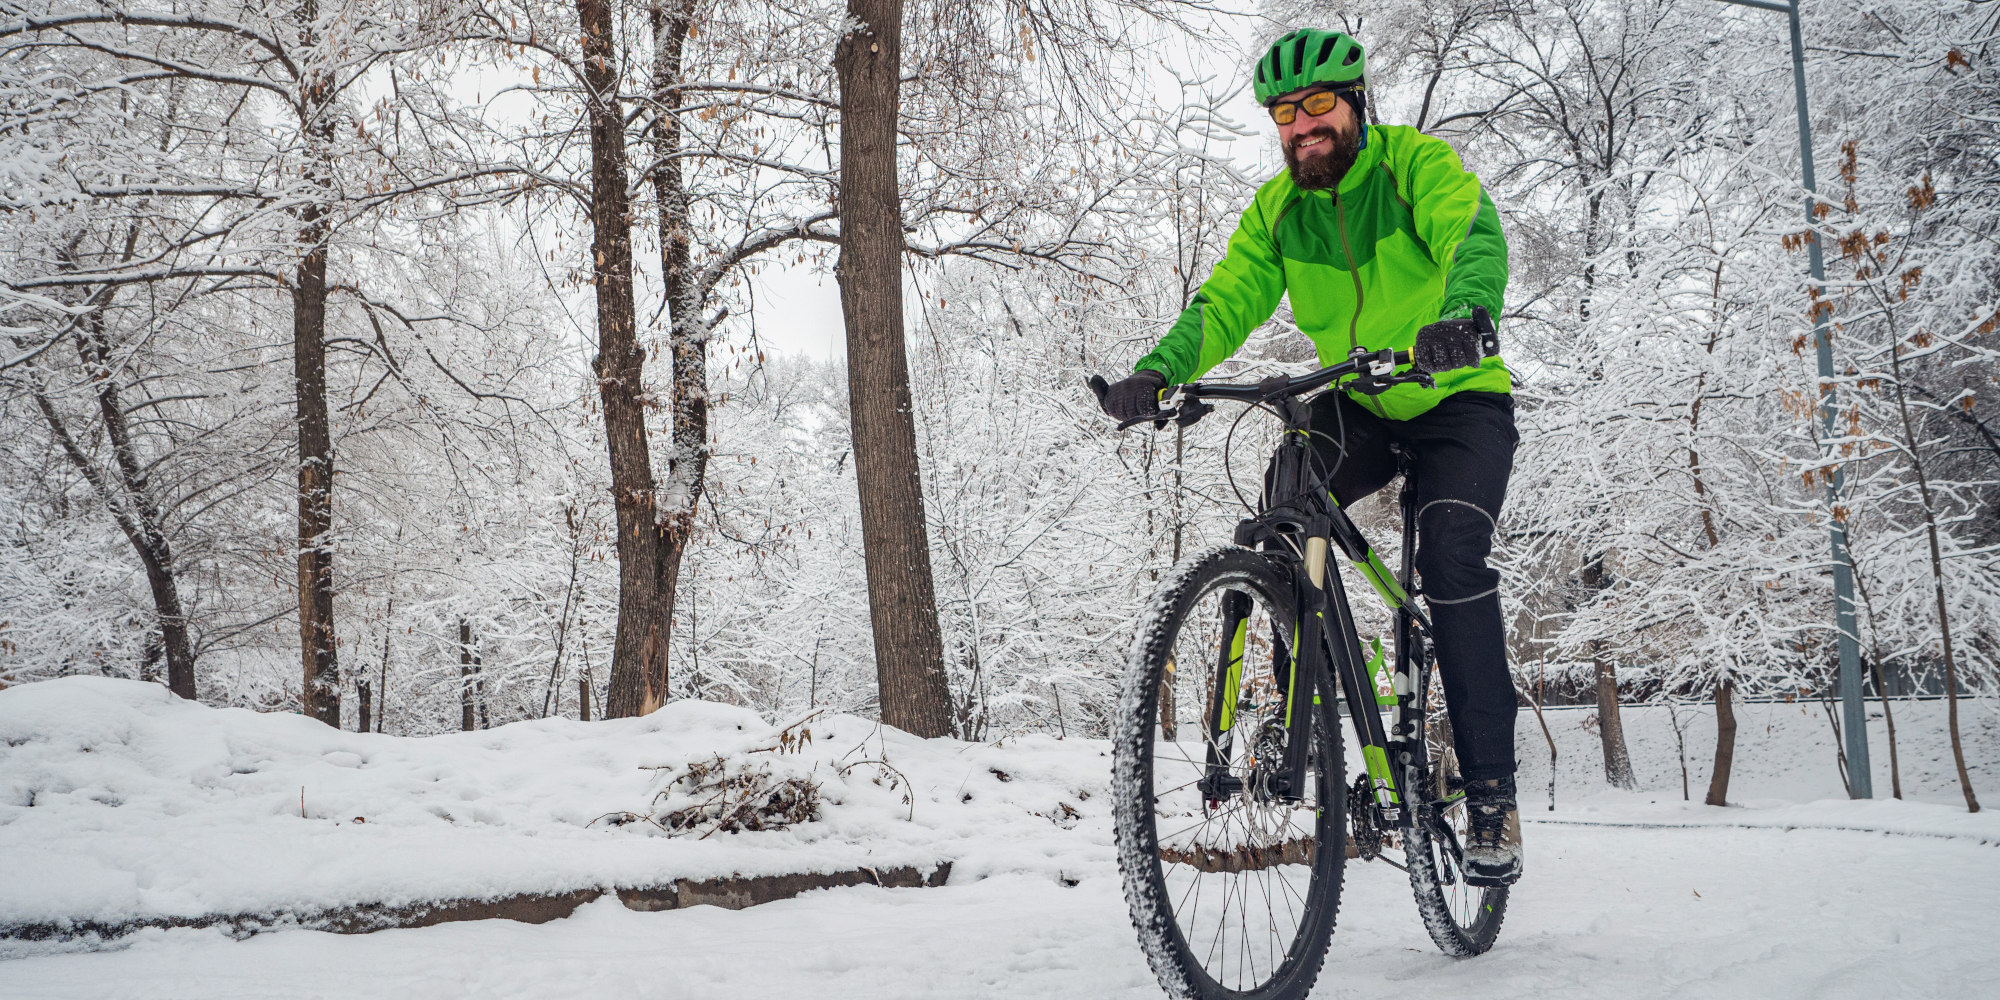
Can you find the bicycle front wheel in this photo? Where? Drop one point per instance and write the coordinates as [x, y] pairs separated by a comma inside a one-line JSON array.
[[1233, 886]]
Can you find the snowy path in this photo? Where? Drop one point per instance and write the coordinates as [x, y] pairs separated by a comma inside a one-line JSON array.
[[1607, 912]]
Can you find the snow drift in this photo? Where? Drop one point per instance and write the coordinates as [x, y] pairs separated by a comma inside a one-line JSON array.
[[119, 802]]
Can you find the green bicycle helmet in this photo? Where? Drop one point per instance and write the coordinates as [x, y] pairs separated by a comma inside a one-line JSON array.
[[1310, 56]]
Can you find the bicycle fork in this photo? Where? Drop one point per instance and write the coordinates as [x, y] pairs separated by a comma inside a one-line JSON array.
[[1300, 665], [1278, 759]]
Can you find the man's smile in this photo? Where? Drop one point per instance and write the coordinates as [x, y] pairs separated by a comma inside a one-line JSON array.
[[1316, 144]]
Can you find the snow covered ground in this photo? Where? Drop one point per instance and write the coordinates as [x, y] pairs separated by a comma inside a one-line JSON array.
[[1784, 751], [1625, 913], [117, 802]]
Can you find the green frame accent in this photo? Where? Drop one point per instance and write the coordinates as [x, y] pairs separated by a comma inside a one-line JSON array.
[[1379, 770], [1376, 573], [1292, 675], [1234, 682], [1383, 581], [1378, 668]]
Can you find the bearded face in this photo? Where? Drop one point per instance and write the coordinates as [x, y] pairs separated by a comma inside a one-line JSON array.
[[1320, 155]]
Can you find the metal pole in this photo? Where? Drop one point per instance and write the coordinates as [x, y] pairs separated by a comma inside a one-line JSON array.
[[1853, 714]]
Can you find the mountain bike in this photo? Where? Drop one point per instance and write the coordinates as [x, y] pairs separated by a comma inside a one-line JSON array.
[[1234, 816]]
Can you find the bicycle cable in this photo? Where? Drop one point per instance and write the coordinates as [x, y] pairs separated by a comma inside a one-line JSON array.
[[1322, 483]]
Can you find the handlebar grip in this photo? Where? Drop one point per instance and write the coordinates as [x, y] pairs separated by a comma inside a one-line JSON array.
[[1101, 389]]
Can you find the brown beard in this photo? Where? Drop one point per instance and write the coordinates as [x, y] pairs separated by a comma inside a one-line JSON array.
[[1323, 172]]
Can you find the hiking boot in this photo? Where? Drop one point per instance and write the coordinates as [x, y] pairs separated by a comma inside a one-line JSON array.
[[1493, 844]]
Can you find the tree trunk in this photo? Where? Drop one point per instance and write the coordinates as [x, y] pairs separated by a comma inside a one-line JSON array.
[[639, 655], [1888, 717], [382, 695], [1875, 670], [149, 658], [1680, 746], [1550, 738], [1610, 725], [464, 676], [909, 655], [1590, 228], [688, 330], [149, 539], [1937, 575], [129, 497], [1725, 744], [1611, 729], [364, 706], [479, 690], [320, 692]]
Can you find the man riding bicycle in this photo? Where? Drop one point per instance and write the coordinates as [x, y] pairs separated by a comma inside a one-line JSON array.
[[1379, 234]]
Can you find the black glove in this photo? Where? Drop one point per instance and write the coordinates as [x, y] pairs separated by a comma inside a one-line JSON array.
[[1455, 343], [1131, 398]]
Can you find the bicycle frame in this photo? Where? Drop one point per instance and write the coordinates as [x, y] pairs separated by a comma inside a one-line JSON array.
[[1272, 788], [1301, 524]]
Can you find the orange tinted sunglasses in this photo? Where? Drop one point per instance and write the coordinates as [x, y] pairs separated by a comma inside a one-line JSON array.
[[1317, 103]]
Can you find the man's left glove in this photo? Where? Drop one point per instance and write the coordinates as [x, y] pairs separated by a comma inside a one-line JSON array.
[[1455, 343], [1133, 397]]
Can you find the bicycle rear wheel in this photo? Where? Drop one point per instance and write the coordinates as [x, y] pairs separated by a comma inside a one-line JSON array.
[[1464, 920], [1233, 890]]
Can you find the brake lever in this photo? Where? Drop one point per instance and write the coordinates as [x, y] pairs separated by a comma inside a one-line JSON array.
[[1158, 420], [1191, 411], [1377, 372]]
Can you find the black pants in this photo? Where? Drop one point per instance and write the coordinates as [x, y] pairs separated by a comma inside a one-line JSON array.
[[1462, 451]]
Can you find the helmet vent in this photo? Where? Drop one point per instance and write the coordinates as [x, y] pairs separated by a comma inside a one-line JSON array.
[[1305, 57]]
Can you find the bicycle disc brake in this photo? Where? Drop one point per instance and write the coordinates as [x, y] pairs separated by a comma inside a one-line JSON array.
[[1361, 816], [1267, 757]]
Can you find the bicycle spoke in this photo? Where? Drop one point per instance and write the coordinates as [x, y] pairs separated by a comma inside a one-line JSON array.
[[1236, 865]]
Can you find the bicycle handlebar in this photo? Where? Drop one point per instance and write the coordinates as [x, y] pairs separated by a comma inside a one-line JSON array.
[[1374, 371], [1445, 345]]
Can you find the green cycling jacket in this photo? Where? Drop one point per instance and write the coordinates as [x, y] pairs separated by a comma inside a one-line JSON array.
[[1408, 238]]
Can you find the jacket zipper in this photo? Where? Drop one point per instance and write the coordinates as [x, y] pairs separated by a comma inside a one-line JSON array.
[[1340, 223], [1354, 321]]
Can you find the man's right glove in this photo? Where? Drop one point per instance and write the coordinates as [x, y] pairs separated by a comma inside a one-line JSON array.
[[1134, 397]]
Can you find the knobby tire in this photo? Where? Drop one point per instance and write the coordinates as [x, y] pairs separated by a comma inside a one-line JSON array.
[[1137, 738]]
